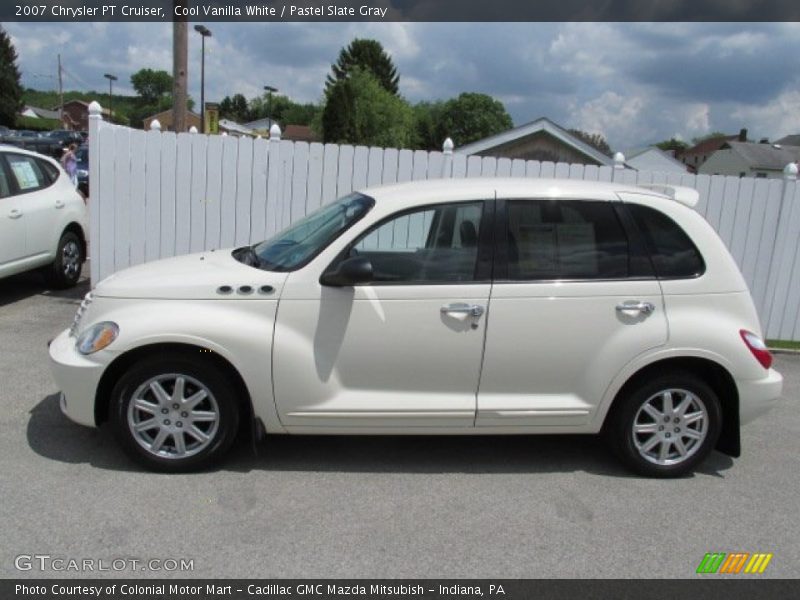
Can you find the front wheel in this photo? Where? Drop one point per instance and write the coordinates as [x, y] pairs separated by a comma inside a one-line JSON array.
[[175, 414], [667, 426]]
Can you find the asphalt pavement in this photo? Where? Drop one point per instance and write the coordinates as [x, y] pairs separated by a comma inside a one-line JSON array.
[[496, 507]]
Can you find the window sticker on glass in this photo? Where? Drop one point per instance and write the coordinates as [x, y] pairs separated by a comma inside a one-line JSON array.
[[24, 174]]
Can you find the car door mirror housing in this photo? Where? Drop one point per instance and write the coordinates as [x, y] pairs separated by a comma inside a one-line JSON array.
[[351, 271]]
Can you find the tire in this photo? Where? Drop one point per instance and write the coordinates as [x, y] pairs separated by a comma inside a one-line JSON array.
[[175, 442], [65, 270], [663, 446]]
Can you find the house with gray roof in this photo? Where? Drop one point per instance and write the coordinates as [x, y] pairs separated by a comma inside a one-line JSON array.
[[748, 159], [540, 140], [653, 159], [789, 140]]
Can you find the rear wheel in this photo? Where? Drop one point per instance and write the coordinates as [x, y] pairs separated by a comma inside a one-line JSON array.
[[175, 414], [667, 426], [65, 270]]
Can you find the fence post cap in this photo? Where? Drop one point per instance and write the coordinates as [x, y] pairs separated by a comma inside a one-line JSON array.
[[95, 110], [275, 132], [619, 160], [790, 171], [192, 129], [448, 146], [155, 125]]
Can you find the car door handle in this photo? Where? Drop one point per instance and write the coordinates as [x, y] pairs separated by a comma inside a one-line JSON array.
[[59, 204], [14, 213], [461, 308], [636, 306]]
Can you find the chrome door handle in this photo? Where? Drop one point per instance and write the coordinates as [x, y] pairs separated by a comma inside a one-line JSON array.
[[473, 310], [59, 204], [14, 213], [636, 306]]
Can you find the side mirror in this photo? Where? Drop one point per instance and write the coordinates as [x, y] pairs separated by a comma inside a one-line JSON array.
[[351, 271]]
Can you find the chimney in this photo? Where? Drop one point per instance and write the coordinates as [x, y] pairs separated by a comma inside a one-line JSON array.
[[743, 135]]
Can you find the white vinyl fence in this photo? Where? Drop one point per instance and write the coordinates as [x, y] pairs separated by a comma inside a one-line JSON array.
[[157, 194]]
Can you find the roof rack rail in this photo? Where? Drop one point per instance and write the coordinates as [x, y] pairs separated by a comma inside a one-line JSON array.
[[685, 195]]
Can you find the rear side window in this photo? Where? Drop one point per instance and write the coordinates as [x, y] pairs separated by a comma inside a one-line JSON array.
[[564, 239], [674, 255], [28, 173]]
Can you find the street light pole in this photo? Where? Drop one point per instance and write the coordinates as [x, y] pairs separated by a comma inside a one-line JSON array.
[[111, 79], [204, 33], [269, 89]]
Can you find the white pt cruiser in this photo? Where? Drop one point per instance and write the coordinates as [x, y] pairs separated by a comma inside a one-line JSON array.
[[480, 306]]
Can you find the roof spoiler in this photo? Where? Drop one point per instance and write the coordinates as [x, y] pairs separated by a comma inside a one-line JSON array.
[[685, 195]]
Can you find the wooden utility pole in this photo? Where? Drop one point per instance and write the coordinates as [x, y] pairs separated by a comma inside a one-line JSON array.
[[60, 94], [180, 67]]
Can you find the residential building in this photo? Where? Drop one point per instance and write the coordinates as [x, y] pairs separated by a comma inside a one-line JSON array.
[[165, 119], [698, 154], [653, 159], [542, 140], [76, 115], [748, 159], [300, 133]]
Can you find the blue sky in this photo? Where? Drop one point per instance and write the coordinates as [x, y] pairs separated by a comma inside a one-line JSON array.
[[635, 83]]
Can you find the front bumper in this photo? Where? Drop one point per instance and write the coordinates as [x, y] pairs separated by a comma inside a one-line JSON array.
[[77, 376], [758, 396]]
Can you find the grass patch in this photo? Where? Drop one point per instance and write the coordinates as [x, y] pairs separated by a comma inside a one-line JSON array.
[[783, 345]]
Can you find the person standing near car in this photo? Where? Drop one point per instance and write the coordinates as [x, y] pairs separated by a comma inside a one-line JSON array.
[[70, 163]]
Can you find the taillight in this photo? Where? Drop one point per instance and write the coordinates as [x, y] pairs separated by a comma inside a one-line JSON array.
[[757, 347]]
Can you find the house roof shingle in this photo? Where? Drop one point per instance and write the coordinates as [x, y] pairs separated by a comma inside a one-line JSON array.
[[764, 156]]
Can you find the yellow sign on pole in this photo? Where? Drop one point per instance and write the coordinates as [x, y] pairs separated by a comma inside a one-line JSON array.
[[212, 118]]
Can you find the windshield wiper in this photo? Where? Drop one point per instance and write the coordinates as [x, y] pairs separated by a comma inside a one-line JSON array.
[[247, 255]]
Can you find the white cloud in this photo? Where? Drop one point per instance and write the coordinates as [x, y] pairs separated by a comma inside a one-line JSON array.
[[776, 119]]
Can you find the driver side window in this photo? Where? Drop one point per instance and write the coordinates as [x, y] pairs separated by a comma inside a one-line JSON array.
[[435, 244]]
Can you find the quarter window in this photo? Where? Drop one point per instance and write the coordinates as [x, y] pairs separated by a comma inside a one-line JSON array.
[[564, 239], [674, 254], [436, 244]]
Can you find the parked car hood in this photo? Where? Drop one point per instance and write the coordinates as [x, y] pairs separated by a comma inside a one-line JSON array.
[[203, 276]]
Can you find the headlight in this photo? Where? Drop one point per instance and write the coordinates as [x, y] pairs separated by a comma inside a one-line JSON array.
[[97, 337]]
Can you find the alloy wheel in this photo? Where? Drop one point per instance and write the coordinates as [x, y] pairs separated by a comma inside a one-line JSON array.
[[173, 416]]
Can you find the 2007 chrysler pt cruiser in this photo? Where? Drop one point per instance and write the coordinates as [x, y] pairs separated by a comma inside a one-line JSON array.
[[480, 306]]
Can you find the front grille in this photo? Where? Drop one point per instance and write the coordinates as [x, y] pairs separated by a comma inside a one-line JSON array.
[[76, 321]]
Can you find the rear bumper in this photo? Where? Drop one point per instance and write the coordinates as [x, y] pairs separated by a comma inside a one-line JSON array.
[[759, 395], [77, 377]]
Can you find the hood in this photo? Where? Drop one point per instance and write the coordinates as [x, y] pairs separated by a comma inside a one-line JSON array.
[[193, 277]]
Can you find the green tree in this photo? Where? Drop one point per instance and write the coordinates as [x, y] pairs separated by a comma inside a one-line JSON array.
[[595, 140], [429, 125], [235, 108], [709, 136], [672, 144], [359, 110], [10, 88], [472, 117], [282, 109], [152, 85], [370, 56]]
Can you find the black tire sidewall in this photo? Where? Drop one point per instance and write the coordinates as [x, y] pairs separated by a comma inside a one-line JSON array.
[[202, 370], [621, 438]]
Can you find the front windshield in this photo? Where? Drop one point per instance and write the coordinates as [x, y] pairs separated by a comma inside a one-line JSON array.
[[302, 241]]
